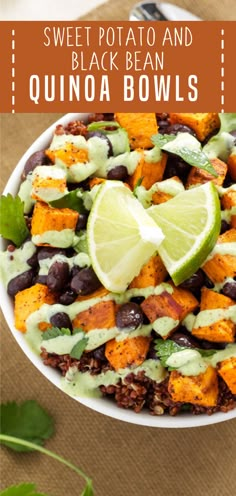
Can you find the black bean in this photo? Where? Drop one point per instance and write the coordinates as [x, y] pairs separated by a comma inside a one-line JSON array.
[[99, 353], [176, 167], [224, 226], [37, 158], [118, 173], [179, 128], [152, 352], [58, 276], [229, 289], [208, 283], [20, 282], [82, 222], [75, 270], [67, 297], [33, 260], [233, 133], [195, 282], [99, 134], [41, 280], [129, 315], [185, 340], [47, 252], [85, 281], [208, 345], [61, 319]]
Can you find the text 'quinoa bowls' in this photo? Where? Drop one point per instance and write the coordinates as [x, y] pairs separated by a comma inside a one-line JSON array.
[[120, 263]]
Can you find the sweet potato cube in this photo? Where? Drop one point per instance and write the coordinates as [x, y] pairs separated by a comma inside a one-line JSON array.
[[232, 164], [161, 196], [200, 176], [46, 218], [202, 123], [176, 306], [69, 154], [99, 293], [224, 329], [140, 127], [228, 201], [151, 274], [99, 316], [150, 172], [96, 181], [201, 389], [130, 352], [28, 301], [227, 370], [220, 265], [48, 178]]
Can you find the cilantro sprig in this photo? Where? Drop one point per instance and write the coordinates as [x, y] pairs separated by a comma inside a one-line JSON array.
[[164, 349], [12, 222], [78, 349], [24, 428], [193, 154]]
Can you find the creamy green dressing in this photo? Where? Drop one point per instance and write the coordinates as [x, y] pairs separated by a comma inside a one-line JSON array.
[[48, 172], [223, 249], [14, 263], [190, 362], [129, 159], [206, 318], [58, 239], [219, 146], [163, 325], [169, 186], [188, 321], [219, 285], [227, 214], [84, 384], [25, 194]]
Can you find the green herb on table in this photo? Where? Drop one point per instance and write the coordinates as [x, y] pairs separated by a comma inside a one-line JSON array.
[[24, 428], [23, 489], [12, 222], [193, 154]]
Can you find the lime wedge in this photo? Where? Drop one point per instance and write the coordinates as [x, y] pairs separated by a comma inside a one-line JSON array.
[[191, 224], [121, 236]]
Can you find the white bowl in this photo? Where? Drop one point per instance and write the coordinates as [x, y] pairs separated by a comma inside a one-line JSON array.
[[103, 405]]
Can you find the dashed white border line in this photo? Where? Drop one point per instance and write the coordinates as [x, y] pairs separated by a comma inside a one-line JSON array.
[[13, 71], [222, 70]]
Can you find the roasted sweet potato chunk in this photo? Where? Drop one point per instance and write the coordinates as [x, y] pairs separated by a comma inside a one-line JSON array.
[[227, 370], [151, 274], [232, 164], [201, 389], [99, 316], [69, 154], [176, 306], [46, 218], [200, 176], [130, 352], [202, 123], [220, 265], [140, 127], [224, 329], [228, 201], [149, 172], [28, 301]]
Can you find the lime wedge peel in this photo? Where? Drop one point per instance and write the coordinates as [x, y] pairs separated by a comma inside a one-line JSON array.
[[121, 236], [191, 225]]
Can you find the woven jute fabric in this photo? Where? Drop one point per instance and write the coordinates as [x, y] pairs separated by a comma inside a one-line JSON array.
[[123, 459]]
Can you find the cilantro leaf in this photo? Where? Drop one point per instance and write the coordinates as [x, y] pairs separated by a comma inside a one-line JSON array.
[[102, 125], [162, 139], [137, 184], [166, 348], [186, 147], [79, 348], [23, 489], [28, 421], [71, 200], [88, 490], [12, 222], [54, 332]]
